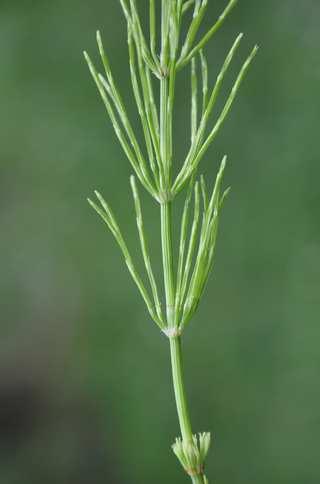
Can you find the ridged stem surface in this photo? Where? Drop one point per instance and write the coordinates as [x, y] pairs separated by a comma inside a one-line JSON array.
[[180, 396], [179, 389], [167, 257]]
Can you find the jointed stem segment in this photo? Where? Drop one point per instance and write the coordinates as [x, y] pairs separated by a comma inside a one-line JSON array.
[[167, 258], [185, 281], [190, 450], [179, 390]]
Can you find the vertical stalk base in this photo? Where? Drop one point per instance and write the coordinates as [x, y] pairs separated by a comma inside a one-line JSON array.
[[179, 390]]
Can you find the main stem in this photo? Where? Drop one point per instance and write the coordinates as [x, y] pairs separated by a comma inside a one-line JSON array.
[[175, 342], [179, 389], [167, 257], [180, 395], [167, 252]]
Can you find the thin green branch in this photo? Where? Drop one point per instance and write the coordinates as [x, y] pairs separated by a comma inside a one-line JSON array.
[[114, 93], [108, 217], [191, 246], [145, 249], [205, 39], [194, 100], [148, 131], [149, 107], [165, 19], [198, 148], [204, 72], [153, 30], [130, 155], [206, 248], [167, 258], [151, 62], [225, 110], [204, 193], [182, 247], [174, 30], [198, 14], [182, 177]]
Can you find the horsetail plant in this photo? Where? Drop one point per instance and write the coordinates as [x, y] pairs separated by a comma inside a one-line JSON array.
[[159, 60]]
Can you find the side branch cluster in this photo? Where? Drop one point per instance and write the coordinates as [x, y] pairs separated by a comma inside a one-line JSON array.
[[154, 65]]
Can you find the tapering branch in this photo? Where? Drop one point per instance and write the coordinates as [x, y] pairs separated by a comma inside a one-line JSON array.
[[205, 39], [144, 248], [199, 147], [206, 247], [108, 217]]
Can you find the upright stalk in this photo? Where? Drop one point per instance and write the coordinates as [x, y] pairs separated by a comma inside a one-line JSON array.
[[169, 285], [165, 208], [179, 389], [166, 102], [181, 403], [167, 258]]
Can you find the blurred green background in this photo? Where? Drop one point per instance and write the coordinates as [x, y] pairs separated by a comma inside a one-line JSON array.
[[85, 389]]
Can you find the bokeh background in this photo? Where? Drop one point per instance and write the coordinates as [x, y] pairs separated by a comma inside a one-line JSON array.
[[85, 390]]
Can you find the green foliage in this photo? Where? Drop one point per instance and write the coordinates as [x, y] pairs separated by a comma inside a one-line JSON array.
[[155, 168]]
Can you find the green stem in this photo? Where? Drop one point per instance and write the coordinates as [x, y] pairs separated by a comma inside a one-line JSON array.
[[179, 390], [167, 256], [165, 130], [180, 396], [166, 104]]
